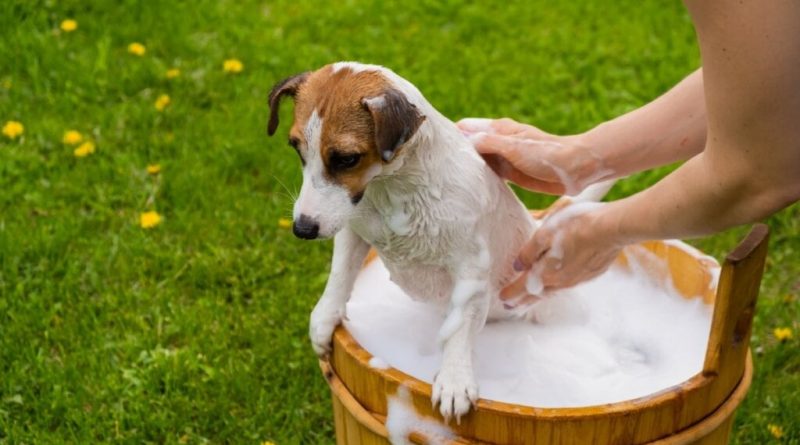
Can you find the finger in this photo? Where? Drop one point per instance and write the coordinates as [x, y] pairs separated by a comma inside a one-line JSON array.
[[526, 300], [510, 147], [505, 170], [553, 275], [487, 143], [507, 126], [475, 125], [533, 249], [498, 164], [533, 184], [515, 289]]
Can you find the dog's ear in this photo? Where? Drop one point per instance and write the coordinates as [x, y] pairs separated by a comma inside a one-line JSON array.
[[286, 87], [395, 119]]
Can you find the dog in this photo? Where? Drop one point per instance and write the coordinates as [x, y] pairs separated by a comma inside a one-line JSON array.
[[383, 168]]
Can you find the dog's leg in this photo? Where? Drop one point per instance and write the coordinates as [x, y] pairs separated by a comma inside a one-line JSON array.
[[349, 251], [454, 387]]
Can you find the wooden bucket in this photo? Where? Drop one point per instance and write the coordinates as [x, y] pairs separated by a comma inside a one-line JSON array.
[[697, 411]]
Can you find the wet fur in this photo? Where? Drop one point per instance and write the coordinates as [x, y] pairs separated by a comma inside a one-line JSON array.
[[444, 224]]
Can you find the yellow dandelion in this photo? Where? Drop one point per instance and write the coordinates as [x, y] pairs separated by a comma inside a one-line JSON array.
[[788, 298], [232, 66], [137, 49], [775, 430], [173, 73], [162, 102], [69, 25], [72, 137], [84, 149], [148, 220], [13, 129], [154, 169], [782, 334], [267, 442], [284, 223]]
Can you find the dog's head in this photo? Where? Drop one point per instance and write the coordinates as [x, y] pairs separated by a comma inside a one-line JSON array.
[[350, 121]]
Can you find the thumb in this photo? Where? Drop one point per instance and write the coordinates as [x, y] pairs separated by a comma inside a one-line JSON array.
[[532, 250]]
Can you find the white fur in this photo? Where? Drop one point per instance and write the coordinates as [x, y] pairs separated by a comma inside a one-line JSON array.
[[325, 203], [348, 250], [446, 227]]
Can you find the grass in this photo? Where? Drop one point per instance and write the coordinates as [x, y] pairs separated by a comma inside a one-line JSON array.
[[195, 331]]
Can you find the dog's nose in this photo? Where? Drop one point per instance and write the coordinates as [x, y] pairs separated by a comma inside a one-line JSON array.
[[305, 228]]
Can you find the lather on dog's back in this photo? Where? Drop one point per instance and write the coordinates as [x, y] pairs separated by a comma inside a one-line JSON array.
[[383, 168]]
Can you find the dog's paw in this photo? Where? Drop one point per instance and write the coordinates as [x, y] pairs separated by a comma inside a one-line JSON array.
[[324, 320], [455, 390]]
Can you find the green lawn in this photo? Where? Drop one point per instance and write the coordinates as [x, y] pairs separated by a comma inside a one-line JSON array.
[[195, 331]]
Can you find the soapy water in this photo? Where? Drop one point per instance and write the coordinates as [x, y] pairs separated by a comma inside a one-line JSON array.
[[402, 419], [617, 337], [378, 363]]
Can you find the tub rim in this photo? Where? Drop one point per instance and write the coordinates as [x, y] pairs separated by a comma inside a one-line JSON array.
[[694, 384], [699, 429]]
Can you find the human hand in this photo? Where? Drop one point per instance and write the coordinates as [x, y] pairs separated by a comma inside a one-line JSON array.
[[534, 159], [573, 245]]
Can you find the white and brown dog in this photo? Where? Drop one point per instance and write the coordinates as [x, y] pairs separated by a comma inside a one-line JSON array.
[[383, 168]]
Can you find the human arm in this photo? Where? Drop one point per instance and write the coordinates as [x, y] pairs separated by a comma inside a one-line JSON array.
[[749, 169], [670, 128]]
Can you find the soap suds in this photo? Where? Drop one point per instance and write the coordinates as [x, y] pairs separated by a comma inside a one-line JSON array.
[[571, 187], [533, 283], [402, 419], [556, 249], [463, 291], [614, 338], [378, 363]]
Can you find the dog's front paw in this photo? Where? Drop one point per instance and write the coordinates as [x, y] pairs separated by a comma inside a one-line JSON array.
[[455, 390], [324, 319]]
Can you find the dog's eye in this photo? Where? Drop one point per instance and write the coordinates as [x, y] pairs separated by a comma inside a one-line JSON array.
[[341, 161], [295, 143]]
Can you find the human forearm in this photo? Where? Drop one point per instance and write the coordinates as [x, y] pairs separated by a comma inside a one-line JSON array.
[[668, 129], [750, 166], [701, 197]]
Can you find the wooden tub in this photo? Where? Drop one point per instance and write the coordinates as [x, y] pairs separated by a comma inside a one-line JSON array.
[[697, 411]]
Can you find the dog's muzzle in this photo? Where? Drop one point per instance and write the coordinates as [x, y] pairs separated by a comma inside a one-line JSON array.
[[305, 228]]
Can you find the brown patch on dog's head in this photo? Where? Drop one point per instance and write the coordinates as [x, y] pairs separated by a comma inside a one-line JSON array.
[[365, 122]]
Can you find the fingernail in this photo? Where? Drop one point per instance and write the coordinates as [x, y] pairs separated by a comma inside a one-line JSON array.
[[476, 124], [508, 307], [518, 266]]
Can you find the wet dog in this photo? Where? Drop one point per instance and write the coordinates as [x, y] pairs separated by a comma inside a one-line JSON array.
[[383, 168]]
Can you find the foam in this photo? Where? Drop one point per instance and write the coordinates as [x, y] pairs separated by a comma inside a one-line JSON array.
[[402, 419], [614, 338], [533, 283], [378, 363], [463, 291]]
